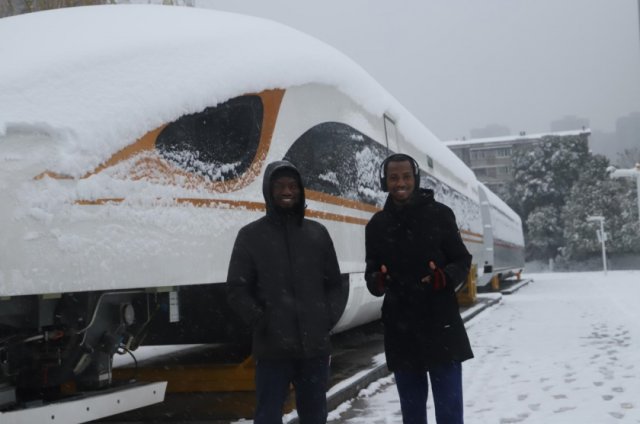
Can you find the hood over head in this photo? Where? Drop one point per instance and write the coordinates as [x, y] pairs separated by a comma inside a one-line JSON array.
[[278, 168]]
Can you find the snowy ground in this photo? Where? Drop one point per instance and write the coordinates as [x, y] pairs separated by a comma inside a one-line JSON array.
[[564, 349]]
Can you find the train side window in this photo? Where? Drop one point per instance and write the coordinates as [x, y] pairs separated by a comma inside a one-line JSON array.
[[337, 159], [429, 161], [391, 134], [219, 142], [427, 181]]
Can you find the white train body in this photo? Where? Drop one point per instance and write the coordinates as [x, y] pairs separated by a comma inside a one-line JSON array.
[[127, 170], [503, 238]]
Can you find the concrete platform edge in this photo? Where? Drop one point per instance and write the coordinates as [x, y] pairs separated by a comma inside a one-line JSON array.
[[338, 395], [517, 286]]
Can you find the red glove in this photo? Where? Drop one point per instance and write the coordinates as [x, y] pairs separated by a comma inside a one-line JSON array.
[[435, 276], [381, 279]]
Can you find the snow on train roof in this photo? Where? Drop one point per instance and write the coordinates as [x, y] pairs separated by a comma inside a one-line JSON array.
[[98, 77]]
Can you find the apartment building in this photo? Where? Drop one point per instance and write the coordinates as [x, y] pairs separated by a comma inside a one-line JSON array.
[[491, 158]]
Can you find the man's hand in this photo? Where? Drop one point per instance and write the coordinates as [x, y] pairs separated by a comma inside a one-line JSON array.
[[436, 277], [381, 279]]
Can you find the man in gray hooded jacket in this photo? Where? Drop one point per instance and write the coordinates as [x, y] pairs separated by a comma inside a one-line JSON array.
[[284, 281]]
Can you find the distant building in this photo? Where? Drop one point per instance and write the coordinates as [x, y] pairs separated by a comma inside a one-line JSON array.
[[568, 123], [491, 158], [628, 130], [491, 130], [613, 144]]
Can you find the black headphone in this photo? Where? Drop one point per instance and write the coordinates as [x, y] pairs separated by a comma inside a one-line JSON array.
[[398, 157]]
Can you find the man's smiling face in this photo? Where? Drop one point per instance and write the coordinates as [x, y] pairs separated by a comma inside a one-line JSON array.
[[400, 181], [285, 191]]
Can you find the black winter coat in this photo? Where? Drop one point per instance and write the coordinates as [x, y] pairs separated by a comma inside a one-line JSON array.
[[284, 281], [422, 327]]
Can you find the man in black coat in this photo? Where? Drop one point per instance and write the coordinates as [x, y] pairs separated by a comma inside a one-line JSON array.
[[416, 259], [284, 281]]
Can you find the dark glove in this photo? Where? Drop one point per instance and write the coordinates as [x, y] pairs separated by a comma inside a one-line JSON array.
[[435, 276], [381, 279]]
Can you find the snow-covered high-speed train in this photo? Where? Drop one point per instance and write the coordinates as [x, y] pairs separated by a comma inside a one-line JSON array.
[[133, 140]]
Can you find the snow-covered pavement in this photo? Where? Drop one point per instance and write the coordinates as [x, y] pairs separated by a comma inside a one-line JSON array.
[[564, 349]]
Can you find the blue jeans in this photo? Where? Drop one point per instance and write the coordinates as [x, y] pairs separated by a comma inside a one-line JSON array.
[[413, 389], [310, 378]]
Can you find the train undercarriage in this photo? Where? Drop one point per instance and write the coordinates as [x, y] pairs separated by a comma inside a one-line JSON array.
[[53, 347]]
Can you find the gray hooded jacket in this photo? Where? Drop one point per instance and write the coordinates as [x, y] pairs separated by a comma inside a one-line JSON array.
[[284, 280]]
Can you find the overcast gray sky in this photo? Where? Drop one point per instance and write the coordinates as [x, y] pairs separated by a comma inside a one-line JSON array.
[[463, 64]]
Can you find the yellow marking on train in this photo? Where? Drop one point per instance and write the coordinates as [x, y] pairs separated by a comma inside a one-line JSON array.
[[235, 204], [471, 237], [252, 206], [98, 201], [197, 378], [340, 201], [471, 233], [354, 204], [146, 167], [472, 240], [53, 175], [145, 143], [507, 244], [336, 217]]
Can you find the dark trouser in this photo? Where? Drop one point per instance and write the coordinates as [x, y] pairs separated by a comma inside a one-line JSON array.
[[413, 388], [310, 378]]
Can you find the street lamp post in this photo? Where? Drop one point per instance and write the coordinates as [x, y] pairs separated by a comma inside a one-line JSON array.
[[602, 236], [630, 173]]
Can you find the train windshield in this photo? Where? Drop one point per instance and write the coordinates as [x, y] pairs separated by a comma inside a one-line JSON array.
[[218, 143]]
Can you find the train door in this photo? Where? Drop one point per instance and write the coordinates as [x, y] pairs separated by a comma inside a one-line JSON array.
[[391, 134], [487, 232]]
